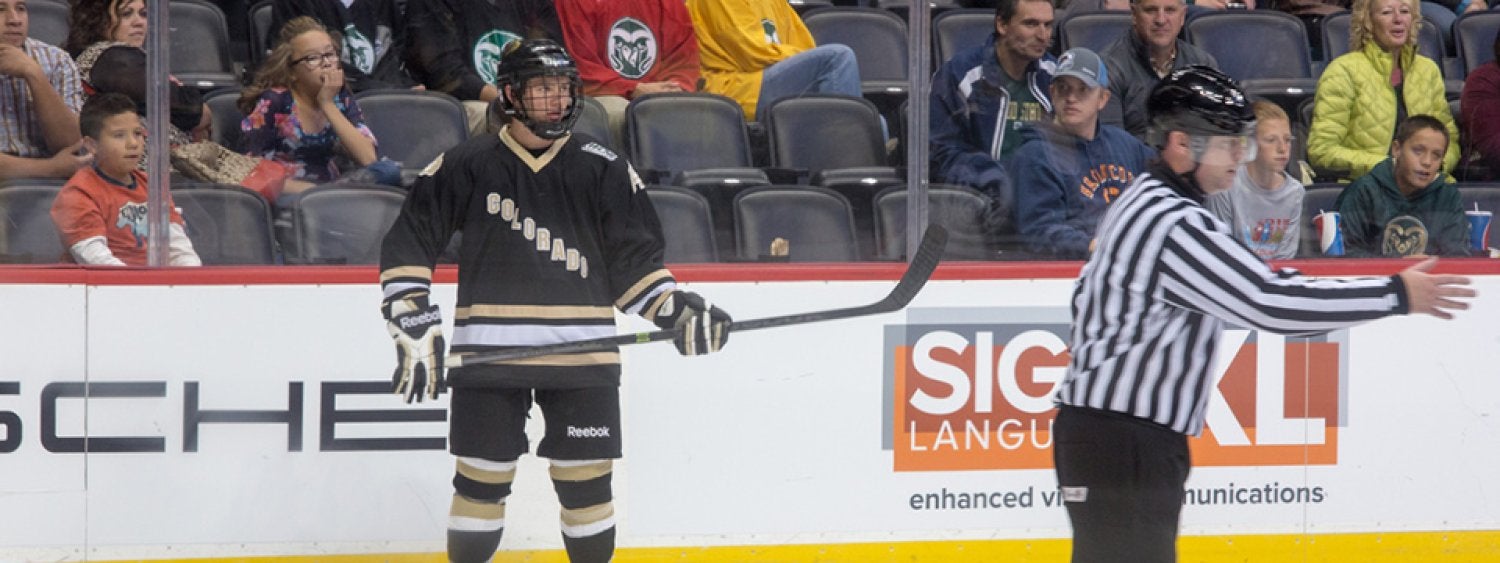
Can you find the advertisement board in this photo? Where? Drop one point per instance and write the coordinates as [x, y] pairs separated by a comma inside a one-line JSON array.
[[159, 422]]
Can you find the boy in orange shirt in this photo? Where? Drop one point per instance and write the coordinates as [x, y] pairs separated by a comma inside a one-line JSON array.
[[101, 211]]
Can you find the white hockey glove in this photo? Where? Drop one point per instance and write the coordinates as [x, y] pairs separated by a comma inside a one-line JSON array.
[[417, 329], [705, 328]]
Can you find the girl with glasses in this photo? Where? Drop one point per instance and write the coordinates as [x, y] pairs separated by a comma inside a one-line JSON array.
[[300, 112]]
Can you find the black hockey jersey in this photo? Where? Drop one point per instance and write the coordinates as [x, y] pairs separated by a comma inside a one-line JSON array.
[[552, 244], [454, 46]]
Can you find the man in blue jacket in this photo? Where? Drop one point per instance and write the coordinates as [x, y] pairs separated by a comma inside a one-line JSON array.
[[1075, 165], [983, 96]]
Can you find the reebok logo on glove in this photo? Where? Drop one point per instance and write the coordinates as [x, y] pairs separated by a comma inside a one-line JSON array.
[[419, 353], [430, 316]]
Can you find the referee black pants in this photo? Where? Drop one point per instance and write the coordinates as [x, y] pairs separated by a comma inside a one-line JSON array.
[[1122, 481]]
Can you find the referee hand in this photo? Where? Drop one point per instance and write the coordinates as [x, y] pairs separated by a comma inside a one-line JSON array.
[[1434, 294]]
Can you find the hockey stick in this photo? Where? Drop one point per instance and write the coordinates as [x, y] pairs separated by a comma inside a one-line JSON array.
[[922, 264]]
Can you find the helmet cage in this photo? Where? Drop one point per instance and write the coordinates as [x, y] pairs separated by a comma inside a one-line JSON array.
[[519, 110], [537, 59]]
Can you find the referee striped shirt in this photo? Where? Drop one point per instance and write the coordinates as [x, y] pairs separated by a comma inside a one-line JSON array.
[[1150, 304]]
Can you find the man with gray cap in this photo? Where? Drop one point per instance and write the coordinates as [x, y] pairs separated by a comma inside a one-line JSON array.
[[1076, 165]]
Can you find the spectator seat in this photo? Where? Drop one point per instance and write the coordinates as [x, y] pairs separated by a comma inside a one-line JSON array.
[[48, 21], [27, 234], [224, 105], [1474, 37], [958, 30], [343, 223], [1093, 30], [878, 39], [959, 209], [413, 127], [200, 45], [228, 224], [817, 224], [669, 133], [686, 223]]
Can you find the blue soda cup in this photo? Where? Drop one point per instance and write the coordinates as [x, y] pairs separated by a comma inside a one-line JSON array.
[[1330, 235]]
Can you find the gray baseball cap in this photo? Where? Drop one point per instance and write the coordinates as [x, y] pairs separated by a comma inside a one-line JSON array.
[[1084, 65]]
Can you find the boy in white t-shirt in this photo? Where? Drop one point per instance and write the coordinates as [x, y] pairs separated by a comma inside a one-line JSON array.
[[1264, 206]]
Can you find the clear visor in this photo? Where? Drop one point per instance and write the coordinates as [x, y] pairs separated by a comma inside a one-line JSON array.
[[1223, 150]]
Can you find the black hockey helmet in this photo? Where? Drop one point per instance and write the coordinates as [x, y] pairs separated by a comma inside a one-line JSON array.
[[530, 59], [1200, 101]]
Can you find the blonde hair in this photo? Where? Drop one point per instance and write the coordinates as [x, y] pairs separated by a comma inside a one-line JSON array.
[[276, 71], [1265, 111], [1359, 23]]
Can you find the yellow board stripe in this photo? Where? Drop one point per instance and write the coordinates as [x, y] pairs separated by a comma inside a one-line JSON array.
[[1396, 547]]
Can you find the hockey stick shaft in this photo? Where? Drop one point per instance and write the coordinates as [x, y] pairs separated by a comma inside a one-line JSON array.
[[917, 273]]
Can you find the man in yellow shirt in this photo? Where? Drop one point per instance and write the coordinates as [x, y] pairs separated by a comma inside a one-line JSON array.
[[758, 51]]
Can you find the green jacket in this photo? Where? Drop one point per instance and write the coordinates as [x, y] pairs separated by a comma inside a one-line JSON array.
[[1354, 116], [1377, 219]]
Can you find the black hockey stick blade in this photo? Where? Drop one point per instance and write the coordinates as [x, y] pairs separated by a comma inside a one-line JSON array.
[[929, 253]]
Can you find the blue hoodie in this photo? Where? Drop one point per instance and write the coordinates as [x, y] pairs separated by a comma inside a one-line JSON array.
[[1068, 181], [964, 117]]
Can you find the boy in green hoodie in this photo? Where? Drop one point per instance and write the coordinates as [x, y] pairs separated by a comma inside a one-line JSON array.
[[1405, 205]]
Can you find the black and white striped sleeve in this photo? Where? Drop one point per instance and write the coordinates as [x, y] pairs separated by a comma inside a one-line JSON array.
[[1206, 270]]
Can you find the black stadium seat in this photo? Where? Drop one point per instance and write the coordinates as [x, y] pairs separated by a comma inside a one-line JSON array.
[[958, 30], [200, 45], [878, 39], [27, 235], [959, 209], [822, 132], [803, 6], [837, 141], [686, 223], [223, 104], [816, 223], [1093, 30], [594, 122], [227, 224], [672, 132], [343, 223], [260, 31], [1277, 67], [902, 8], [413, 127], [1474, 36], [48, 21]]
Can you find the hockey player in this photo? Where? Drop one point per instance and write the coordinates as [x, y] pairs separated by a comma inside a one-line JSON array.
[[558, 233]]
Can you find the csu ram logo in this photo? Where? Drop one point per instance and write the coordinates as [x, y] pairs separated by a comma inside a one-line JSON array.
[[488, 50], [972, 389], [632, 48]]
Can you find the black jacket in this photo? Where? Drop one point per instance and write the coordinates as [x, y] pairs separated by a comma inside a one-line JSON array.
[[454, 45], [373, 38]]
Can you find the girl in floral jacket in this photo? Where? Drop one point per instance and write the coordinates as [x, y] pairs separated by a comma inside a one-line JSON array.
[[299, 111]]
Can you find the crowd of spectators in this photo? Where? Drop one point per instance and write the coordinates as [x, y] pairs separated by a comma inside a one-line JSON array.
[[1046, 153]]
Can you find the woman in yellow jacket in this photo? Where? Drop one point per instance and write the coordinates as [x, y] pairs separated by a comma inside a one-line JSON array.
[[1365, 92], [758, 51]]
